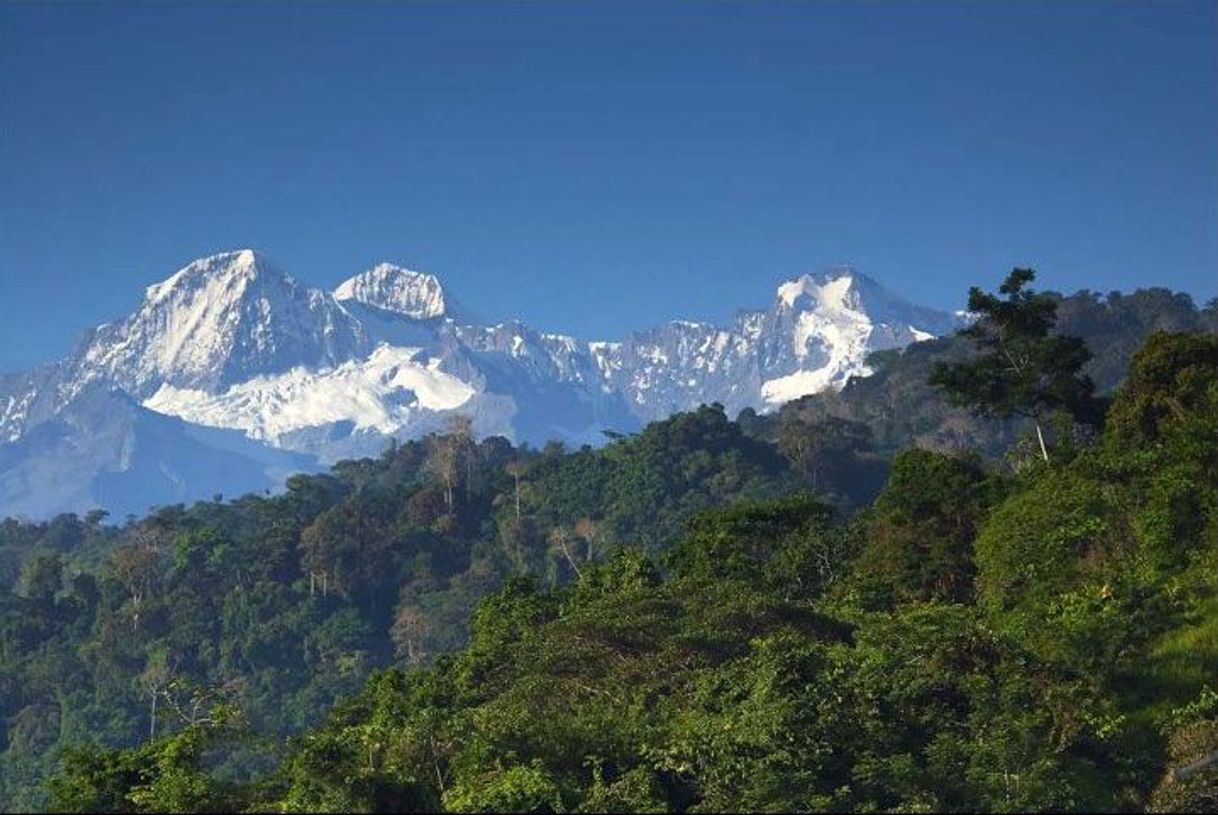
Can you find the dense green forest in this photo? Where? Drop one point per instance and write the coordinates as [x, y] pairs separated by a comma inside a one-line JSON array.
[[883, 598]]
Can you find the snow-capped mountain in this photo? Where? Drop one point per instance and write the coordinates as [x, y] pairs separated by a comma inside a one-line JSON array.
[[816, 334], [219, 321], [233, 347]]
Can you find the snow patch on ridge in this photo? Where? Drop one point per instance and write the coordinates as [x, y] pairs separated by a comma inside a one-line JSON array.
[[384, 392], [785, 388]]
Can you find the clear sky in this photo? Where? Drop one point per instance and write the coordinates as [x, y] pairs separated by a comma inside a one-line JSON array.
[[593, 168]]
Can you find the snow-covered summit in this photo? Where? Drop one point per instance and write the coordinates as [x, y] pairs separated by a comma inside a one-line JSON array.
[[416, 295], [219, 320], [231, 267], [823, 291], [816, 334], [824, 324], [843, 288]]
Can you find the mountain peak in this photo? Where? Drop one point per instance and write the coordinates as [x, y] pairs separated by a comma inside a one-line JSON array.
[[221, 319], [239, 264], [829, 287], [387, 286], [842, 288]]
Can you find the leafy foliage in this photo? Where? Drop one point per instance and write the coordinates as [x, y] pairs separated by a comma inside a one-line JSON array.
[[919, 536], [1020, 369]]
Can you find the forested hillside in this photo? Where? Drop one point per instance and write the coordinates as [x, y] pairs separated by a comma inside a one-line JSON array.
[[866, 601], [901, 408], [292, 600]]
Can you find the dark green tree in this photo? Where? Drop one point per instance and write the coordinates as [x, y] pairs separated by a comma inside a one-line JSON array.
[[42, 578], [1172, 379], [1020, 368], [919, 535], [166, 775]]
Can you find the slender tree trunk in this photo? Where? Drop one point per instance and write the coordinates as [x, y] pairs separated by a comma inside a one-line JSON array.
[[469, 474], [1041, 438], [517, 477], [562, 544], [571, 560], [152, 718], [435, 762]]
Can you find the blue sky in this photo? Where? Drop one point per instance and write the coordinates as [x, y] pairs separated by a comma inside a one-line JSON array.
[[593, 168]]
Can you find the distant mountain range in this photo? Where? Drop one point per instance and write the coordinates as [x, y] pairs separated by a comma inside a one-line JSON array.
[[231, 375]]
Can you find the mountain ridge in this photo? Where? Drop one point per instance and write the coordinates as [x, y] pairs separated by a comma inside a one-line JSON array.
[[231, 341]]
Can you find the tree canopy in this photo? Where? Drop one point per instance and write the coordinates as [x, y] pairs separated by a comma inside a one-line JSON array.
[[1020, 368]]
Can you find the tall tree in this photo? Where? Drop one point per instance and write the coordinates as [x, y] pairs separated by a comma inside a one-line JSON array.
[[135, 566], [588, 529], [516, 468], [560, 543], [1020, 369], [449, 452], [821, 449], [410, 631]]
